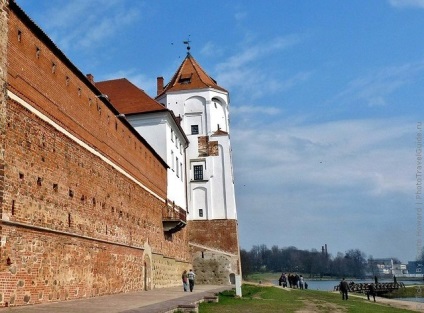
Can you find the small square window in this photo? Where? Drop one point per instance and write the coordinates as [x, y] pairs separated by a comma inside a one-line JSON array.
[[200, 212], [194, 129], [198, 172]]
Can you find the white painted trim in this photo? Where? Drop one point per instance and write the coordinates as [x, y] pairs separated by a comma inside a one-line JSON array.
[[59, 128]]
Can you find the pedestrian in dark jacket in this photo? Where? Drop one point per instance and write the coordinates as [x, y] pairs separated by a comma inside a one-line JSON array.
[[280, 280], [371, 291], [344, 288], [290, 280], [185, 280]]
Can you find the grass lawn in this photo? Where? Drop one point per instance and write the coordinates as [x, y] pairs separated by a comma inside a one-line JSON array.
[[265, 277], [407, 292], [264, 299]]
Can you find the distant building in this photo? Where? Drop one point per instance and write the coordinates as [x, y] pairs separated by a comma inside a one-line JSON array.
[[387, 267], [415, 267]]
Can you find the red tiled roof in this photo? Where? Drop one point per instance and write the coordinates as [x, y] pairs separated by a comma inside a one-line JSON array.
[[128, 98], [220, 132], [190, 76]]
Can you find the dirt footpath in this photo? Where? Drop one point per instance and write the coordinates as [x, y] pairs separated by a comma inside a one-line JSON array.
[[400, 304], [314, 306]]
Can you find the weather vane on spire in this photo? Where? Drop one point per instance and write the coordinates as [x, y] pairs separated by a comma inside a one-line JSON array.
[[187, 42]]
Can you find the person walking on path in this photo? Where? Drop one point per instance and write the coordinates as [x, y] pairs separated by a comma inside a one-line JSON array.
[[185, 280], [371, 291], [191, 277], [344, 288]]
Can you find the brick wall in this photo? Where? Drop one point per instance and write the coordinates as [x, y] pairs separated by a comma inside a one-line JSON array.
[[167, 271], [214, 267], [81, 195], [51, 84], [53, 183], [217, 234], [3, 77], [50, 267], [215, 250]]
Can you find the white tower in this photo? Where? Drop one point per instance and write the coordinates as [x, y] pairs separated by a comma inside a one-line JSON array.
[[203, 107], [204, 110]]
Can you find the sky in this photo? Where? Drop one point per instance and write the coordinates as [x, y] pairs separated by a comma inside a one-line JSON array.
[[326, 106]]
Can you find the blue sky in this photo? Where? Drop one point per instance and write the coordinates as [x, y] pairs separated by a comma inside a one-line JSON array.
[[326, 97]]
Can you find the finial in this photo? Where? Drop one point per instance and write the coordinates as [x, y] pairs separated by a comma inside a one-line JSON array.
[[187, 42]]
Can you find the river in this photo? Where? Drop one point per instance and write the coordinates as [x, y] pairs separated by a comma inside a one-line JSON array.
[[328, 285]]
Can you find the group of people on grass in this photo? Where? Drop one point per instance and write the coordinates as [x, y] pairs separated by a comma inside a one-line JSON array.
[[188, 280], [292, 281], [297, 281]]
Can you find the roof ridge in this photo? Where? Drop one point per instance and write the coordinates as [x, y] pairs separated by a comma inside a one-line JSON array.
[[190, 75], [128, 98]]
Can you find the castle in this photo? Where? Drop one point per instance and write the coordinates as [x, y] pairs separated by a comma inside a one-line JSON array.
[[90, 202]]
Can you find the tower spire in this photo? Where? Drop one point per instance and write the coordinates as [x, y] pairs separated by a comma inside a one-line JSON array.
[[187, 42]]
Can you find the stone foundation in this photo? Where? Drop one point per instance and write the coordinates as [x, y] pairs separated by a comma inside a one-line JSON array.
[[215, 250]]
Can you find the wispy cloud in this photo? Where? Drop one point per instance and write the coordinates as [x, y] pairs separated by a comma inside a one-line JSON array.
[[407, 3], [244, 71], [375, 88], [252, 109], [346, 171], [93, 29], [258, 51], [361, 155], [211, 49]]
